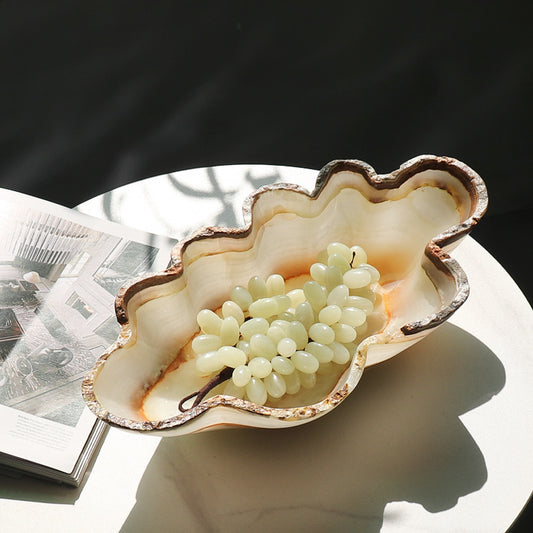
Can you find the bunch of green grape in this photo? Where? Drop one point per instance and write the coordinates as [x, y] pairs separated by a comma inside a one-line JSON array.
[[276, 341]]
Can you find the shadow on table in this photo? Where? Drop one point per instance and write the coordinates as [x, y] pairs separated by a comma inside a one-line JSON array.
[[396, 438], [220, 196], [18, 486]]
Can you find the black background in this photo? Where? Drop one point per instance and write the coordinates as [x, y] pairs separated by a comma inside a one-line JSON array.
[[97, 94]]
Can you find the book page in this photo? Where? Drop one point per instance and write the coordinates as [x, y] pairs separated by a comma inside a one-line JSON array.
[[60, 271]]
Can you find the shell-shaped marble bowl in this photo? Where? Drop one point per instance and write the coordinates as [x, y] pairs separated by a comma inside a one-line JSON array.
[[407, 222]]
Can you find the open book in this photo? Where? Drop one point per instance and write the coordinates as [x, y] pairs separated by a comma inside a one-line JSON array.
[[59, 273]]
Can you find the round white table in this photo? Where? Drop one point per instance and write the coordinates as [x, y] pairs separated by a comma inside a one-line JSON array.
[[437, 439]]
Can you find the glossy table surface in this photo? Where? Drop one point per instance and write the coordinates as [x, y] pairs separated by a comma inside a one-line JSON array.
[[436, 439]]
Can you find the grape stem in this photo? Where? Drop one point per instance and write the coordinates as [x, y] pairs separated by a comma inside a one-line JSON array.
[[222, 376], [353, 259]]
